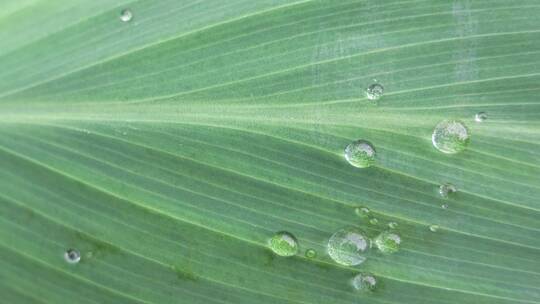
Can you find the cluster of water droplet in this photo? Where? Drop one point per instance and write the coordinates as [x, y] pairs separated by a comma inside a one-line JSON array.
[[349, 246]]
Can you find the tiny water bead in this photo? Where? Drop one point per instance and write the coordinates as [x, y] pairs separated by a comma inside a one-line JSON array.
[[444, 206], [360, 154], [373, 221], [392, 225], [374, 91], [434, 228], [72, 256], [388, 242], [126, 15], [362, 211], [348, 246], [283, 244], [480, 116], [311, 253], [364, 282], [446, 189], [450, 136]]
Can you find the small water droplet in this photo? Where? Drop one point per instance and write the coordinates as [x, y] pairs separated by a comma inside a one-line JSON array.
[[348, 246], [311, 253], [360, 154], [480, 116], [283, 244], [450, 136], [374, 91], [392, 225], [362, 211], [388, 242], [434, 228], [373, 221], [447, 189], [444, 206], [126, 15], [364, 282], [72, 256]]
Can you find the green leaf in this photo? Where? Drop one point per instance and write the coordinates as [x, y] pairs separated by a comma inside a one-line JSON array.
[[169, 149]]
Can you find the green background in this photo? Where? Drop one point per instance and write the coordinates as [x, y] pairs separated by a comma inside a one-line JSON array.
[[170, 148]]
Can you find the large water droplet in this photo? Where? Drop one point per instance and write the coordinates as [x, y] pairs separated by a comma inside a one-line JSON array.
[[434, 228], [374, 91], [283, 244], [126, 15], [388, 242], [311, 253], [450, 136], [447, 189], [348, 246], [480, 116], [360, 154], [364, 282], [72, 256]]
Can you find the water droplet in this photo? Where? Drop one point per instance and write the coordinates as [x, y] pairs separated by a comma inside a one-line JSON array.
[[311, 253], [360, 154], [126, 15], [446, 189], [347, 246], [480, 116], [72, 256], [374, 91], [450, 136], [388, 242], [362, 211], [373, 221], [434, 228], [283, 244], [364, 282], [392, 225], [444, 206]]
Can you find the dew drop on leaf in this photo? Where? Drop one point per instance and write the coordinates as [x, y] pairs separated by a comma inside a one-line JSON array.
[[72, 256], [373, 221], [374, 91], [364, 282], [434, 228], [283, 244], [480, 116], [360, 154], [444, 206], [388, 242], [392, 225], [447, 189], [450, 136], [362, 212], [347, 246], [126, 15], [311, 253]]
